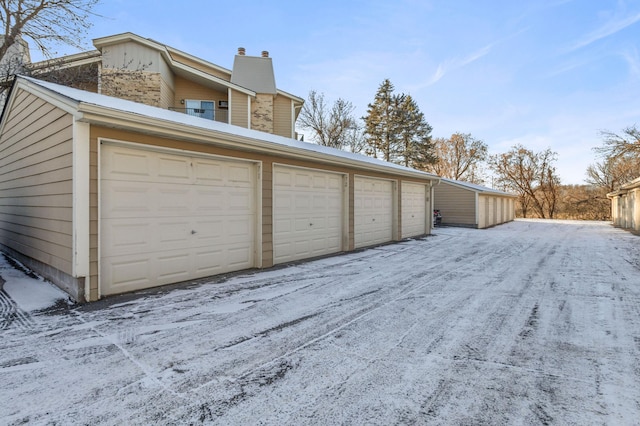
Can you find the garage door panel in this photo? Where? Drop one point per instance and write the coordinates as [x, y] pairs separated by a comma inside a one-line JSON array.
[[176, 169], [283, 202], [207, 173], [173, 232], [127, 236], [173, 201], [373, 211], [239, 176], [126, 271], [209, 262], [283, 225], [160, 228], [414, 209], [307, 213], [302, 201], [173, 267], [239, 257], [237, 228], [126, 166], [240, 200], [127, 200]]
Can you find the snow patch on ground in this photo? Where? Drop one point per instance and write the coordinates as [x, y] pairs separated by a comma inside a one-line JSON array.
[[531, 322], [29, 293]]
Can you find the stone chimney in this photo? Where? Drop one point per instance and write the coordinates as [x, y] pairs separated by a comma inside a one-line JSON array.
[[241, 51], [256, 73]]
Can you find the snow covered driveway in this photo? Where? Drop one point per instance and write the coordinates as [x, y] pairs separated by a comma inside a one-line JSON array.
[[532, 322]]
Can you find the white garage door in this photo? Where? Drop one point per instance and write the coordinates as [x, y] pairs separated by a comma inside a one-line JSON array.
[[307, 213], [373, 211], [414, 209], [167, 218]]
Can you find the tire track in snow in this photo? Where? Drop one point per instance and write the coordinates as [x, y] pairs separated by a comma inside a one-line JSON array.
[[381, 300], [11, 315]]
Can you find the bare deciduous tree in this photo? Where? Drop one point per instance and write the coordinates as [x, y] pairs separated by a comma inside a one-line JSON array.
[[612, 172], [583, 202], [532, 176], [620, 159], [460, 157], [332, 127], [45, 22], [622, 145]]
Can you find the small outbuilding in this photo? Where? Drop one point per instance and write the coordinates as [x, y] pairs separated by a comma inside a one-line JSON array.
[[625, 206], [470, 205]]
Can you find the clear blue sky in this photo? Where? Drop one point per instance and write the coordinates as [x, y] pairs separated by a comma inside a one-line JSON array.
[[542, 73]]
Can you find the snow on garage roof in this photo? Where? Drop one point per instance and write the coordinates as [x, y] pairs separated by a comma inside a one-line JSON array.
[[476, 187], [82, 103]]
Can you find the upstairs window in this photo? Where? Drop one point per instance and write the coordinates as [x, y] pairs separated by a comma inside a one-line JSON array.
[[202, 109]]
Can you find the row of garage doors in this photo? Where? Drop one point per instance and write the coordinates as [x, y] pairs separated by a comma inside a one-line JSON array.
[[167, 217]]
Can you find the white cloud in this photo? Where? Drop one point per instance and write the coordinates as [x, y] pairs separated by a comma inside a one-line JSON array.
[[606, 30], [453, 64], [631, 56]]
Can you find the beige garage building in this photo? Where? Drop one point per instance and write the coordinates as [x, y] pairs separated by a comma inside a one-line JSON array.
[[470, 205], [625, 206], [103, 195]]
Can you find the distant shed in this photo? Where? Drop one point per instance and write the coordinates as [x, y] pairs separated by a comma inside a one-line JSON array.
[[625, 206], [470, 205]]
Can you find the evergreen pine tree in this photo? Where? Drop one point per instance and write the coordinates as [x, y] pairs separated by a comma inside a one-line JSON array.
[[397, 130], [415, 135], [381, 123]]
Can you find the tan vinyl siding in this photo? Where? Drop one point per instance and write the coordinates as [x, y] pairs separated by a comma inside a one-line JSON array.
[[93, 214], [131, 56], [224, 75], [457, 205], [167, 74], [167, 95], [186, 89], [282, 119], [36, 182], [267, 214], [239, 105]]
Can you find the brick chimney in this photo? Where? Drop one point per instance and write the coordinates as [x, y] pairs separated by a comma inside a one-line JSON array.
[[241, 51], [265, 54]]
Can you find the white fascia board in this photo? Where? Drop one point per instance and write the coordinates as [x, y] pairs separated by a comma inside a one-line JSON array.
[[148, 125], [81, 203], [125, 37], [68, 105], [477, 188], [65, 62], [213, 78], [631, 185], [198, 60], [289, 95]]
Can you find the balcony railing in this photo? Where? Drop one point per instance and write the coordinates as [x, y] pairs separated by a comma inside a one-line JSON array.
[[221, 115]]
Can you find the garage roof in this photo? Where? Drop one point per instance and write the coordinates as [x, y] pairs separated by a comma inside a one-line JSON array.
[[625, 188], [108, 111], [476, 188]]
